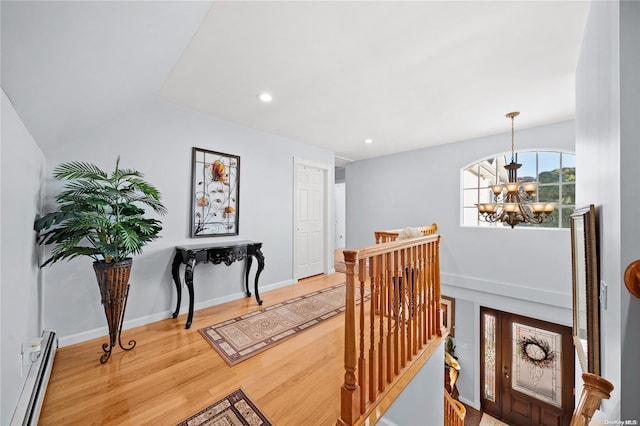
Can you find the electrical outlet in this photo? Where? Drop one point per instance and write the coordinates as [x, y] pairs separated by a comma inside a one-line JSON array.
[[29, 353], [603, 294]]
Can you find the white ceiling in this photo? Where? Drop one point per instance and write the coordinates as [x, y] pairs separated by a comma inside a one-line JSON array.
[[406, 74]]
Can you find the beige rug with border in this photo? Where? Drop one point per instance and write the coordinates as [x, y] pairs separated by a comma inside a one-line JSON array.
[[488, 420], [235, 409], [242, 337]]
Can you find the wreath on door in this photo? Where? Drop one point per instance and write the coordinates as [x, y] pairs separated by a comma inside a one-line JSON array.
[[536, 351]]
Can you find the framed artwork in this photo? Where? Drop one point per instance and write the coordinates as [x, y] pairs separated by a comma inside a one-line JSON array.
[[448, 314], [215, 193], [586, 313]]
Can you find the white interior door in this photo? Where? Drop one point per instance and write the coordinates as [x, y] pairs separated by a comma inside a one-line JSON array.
[[309, 221], [340, 215]]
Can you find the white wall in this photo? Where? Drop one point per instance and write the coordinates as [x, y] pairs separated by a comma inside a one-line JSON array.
[[519, 270], [607, 132], [630, 201], [156, 138], [422, 401], [23, 167]]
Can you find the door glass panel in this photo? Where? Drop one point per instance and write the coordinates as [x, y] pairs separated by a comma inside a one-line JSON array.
[[536, 365], [489, 357]]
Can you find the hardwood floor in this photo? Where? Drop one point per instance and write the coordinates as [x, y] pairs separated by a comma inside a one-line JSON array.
[[173, 372]]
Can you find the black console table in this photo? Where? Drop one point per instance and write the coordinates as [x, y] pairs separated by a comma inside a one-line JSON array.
[[223, 252]]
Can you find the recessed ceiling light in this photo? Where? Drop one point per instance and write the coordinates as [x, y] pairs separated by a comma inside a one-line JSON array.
[[368, 141], [265, 97]]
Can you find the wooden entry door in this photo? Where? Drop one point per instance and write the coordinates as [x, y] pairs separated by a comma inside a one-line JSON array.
[[527, 369]]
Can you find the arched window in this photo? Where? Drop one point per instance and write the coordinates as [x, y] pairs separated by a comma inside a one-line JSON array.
[[555, 171]]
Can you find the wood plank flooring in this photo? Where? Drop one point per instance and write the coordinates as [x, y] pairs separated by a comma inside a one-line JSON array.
[[173, 372]]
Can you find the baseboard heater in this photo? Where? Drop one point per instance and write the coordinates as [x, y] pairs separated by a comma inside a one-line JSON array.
[[30, 402]]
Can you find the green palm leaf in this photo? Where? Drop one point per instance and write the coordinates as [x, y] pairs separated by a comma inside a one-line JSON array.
[[78, 170], [100, 215]]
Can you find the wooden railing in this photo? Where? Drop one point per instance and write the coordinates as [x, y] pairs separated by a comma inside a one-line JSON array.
[[594, 390], [392, 235], [454, 411], [395, 326]]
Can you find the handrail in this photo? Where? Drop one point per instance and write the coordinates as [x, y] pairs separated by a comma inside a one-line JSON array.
[[392, 234], [397, 327], [454, 411]]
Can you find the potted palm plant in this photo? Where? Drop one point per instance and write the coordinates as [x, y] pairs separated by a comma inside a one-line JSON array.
[[101, 215]]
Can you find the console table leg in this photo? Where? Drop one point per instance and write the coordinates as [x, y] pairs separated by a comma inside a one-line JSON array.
[[246, 275], [175, 271], [188, 278], [260, 258]]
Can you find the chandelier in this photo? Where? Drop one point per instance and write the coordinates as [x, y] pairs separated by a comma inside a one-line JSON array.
[[515, 201]]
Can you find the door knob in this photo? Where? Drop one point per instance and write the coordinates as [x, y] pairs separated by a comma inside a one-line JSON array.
[[506, 375]]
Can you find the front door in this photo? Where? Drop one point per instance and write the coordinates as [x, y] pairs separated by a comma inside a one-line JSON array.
[[527, 371]]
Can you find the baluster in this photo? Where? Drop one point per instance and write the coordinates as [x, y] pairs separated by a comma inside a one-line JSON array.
[[418, 292], [430, 324], [402, 304], [425, 293], [375, 290], [411, 282], [374, 281], [384, 276], [362, 362], [435, 299], [422, 318], [407, 305], [390, 295], [414, 307], [436, 270], [396, 309]]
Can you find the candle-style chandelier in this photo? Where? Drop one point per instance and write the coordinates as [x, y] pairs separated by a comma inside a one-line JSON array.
[[515, 201]]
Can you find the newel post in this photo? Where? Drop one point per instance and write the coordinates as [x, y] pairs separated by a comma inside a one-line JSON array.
[[349, 399]]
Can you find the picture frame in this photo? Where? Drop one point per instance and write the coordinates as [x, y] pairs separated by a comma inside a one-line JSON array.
[[448, 314], [586, 288], [215, 193]]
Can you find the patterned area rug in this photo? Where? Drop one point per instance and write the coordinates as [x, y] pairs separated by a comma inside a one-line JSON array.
[[243, 337], [235, 409]]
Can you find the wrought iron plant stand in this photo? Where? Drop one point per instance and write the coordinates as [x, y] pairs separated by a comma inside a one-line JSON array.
[[113, 281]]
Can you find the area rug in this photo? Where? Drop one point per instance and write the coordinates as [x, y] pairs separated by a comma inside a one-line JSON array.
[[235, 409], [488, 420], [243, 337]]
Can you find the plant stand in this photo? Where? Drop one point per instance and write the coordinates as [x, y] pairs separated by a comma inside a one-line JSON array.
[[113, 281]]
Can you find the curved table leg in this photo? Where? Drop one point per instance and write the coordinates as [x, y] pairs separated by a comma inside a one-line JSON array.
[[188, 278], [247, 268], [175, 271], [260, 258]]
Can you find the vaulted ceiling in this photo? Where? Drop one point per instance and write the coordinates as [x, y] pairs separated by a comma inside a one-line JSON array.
[[405, 74]]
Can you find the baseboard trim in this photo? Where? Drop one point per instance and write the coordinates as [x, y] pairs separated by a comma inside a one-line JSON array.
[[472, 404], [159, 316]]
